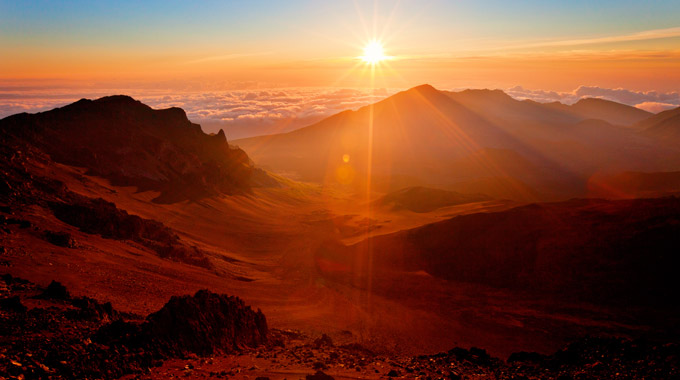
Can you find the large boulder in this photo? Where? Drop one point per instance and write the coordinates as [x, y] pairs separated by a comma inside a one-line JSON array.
[[206, 323]]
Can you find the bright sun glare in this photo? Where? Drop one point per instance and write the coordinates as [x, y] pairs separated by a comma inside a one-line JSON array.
[[373, 53]]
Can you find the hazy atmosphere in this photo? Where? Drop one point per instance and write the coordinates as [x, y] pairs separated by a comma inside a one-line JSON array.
[[353, 189]]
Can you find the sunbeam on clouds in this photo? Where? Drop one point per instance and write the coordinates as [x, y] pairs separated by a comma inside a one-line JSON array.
[[244, 113]]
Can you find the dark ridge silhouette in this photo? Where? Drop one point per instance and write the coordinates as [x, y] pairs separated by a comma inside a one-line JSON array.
[[127, 142], [634, 185], [424, 199], [615, 252], [96, 216], [22, 188]]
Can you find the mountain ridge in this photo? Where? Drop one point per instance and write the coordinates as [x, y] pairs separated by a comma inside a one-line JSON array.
[[426, 137], [664, 125], [121, 139]]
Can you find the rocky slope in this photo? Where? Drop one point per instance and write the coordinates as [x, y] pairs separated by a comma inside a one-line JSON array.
[[127, 142], [47, 333], [25, 183], [59, 336]]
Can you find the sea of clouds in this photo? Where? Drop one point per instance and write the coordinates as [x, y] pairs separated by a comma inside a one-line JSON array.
[[244, 113], [240, 113], [651, 101]]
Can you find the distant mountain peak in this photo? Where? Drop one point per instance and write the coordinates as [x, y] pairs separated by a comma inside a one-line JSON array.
[[593, 101], [613, 112], [116, 99], [665, 125], [221, 136], [485, 91], [496, 93], [425, 90], [424, 87]]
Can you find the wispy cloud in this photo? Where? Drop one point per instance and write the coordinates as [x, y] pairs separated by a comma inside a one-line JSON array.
[[638, 36], [572, 47], [226, 57], [655, 107], [652, 101]]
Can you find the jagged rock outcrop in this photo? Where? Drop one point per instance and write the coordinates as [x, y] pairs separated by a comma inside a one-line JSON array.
[[84, 343], [90, 339], [55, 291], [129, 143], [97, 216], [206, 323], [20, 187]]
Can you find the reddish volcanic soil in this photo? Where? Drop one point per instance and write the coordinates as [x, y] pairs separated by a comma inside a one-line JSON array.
[[262, 246], [49, 333], [399, 282]]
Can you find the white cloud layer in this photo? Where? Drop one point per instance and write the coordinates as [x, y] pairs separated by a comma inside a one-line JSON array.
[[240, 113], [651, 101], [244, 113]]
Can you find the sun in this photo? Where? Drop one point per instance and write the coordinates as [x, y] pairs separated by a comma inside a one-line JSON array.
[[373, 53]]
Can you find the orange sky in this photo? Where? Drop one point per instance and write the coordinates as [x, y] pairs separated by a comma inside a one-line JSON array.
[[303, 43]]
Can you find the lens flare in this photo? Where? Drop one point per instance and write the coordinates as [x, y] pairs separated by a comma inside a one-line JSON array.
[[373, 53]]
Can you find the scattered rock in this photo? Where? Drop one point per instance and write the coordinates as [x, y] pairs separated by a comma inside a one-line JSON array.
[[319, 375], [319, 366], [12, 304], [55, 291], [91, 309], [88, 339], [61, 239], [97, 216], [324, 340]]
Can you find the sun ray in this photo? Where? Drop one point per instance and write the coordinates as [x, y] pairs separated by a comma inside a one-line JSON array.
[[374, 53]]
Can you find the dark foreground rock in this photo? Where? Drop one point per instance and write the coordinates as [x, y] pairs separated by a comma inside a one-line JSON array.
[[205, 323], [79, 337], [216, 336], [55, 291], [97, 216], [319, 375]]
